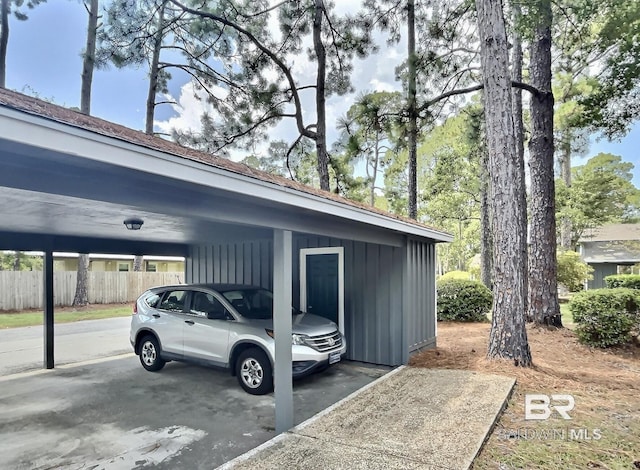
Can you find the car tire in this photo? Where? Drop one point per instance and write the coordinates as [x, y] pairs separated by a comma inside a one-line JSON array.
[[254, 371], [150, 354]]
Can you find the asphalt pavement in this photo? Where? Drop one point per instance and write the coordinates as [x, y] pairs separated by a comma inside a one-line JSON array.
[[22, 349]]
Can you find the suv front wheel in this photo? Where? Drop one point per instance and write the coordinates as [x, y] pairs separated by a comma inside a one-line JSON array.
[[150, 354], [254, 372]]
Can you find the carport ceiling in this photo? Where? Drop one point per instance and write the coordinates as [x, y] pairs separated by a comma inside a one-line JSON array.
[[61, 179]]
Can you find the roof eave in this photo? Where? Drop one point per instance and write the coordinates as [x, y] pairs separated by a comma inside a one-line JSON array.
[[115, 151]]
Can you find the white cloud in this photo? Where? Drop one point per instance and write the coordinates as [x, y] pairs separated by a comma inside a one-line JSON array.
[[189, 108], [379, 85]]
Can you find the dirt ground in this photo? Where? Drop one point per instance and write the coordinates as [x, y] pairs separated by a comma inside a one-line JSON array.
[[604, 431]]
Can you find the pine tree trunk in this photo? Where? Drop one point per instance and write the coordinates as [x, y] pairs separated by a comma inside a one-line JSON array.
[[566, 227], [516, 75], [486, 231], [16, 261], [81, 298], [413, 113], [89, 59], [321, 126], [543, 280], [376, 161], [154, 72], [4, 40], [508, 337], [137, 263]]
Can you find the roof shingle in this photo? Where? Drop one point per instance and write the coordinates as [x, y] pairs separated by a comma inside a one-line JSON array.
[[612, 232]]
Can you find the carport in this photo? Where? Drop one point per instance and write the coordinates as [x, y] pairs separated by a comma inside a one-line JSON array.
[[69, 181]]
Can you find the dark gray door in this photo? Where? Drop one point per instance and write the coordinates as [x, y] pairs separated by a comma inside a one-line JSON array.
[[322, 285]]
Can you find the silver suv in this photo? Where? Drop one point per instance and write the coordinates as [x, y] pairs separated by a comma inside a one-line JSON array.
[[229, 326]]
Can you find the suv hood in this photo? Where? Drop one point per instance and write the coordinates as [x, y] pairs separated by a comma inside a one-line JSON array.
[[303, 323]]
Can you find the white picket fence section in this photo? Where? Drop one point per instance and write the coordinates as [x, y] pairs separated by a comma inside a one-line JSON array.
[[21, 290]]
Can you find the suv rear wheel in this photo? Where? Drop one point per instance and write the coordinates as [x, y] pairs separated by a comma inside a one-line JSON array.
[[254, 371], [150, 354]]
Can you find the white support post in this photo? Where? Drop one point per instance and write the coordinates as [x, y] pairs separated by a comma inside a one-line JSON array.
[[282, 283]]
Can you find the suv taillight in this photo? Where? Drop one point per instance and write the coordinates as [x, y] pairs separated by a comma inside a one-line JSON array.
[[135, 308]]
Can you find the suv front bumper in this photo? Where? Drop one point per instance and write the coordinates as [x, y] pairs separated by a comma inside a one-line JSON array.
[[306, 360]]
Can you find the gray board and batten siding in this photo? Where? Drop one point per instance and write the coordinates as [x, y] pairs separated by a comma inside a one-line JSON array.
[[389, 291], [600, 271]]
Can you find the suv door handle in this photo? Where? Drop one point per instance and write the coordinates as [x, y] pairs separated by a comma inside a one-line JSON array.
[[156, 315], [189, 322]]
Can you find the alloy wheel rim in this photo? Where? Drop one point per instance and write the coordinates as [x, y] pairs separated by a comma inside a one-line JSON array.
[[148, 353], [252, 373]]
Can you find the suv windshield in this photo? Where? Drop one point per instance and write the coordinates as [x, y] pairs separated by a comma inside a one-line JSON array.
[[256, 304]]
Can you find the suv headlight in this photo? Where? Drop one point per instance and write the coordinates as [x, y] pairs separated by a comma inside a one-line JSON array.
[[299, 340], [296, 339]]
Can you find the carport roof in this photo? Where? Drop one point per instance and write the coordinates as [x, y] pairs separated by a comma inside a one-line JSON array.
[[33, 123]]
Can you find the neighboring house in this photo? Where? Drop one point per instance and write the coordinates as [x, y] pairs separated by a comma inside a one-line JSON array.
[[608, 249], [106, 262]]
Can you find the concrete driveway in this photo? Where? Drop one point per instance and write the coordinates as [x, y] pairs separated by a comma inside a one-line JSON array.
[[113, 414]]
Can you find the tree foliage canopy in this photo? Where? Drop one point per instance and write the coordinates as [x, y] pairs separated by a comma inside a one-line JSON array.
[[601, 192]]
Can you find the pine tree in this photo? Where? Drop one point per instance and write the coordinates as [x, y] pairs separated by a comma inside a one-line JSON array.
[[6, 8], [543, 306], [263, 86], [508, 337], [156, 34]]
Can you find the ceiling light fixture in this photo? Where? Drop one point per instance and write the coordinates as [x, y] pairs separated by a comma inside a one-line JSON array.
[[133, 223]]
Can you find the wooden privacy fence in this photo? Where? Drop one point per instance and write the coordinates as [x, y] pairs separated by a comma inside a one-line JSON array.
[[20, 290]]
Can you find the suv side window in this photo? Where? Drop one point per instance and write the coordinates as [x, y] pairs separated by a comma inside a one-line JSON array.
[[152, 300], [206, 305], [173, 301]]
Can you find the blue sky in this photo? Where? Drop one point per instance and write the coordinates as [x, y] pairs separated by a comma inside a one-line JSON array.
[[43, 59]]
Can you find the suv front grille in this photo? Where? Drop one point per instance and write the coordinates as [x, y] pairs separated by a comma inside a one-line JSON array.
[[326, 342]]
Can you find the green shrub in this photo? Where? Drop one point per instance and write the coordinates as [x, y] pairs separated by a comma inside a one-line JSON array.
[[572, 271], [463, 300], [455, 275], [605, 317], [631, 281]]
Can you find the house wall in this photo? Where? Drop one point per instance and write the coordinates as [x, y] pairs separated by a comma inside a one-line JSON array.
[[372, 297], [600, 271], [236, 263], [110, 265], [420, 296], [376, 301], [165, 266], [65, 264]]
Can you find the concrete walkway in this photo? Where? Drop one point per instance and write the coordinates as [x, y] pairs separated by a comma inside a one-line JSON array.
[[411, 418]]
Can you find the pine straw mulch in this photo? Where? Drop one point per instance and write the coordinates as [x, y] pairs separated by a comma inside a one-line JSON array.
[[604, 431]]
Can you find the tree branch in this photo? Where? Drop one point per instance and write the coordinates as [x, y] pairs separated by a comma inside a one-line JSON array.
[[291, 147], [461, 91], [281, 65]]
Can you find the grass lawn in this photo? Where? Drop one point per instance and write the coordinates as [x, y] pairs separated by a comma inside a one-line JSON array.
[[604, 431], [567, 318], [64, 315]]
